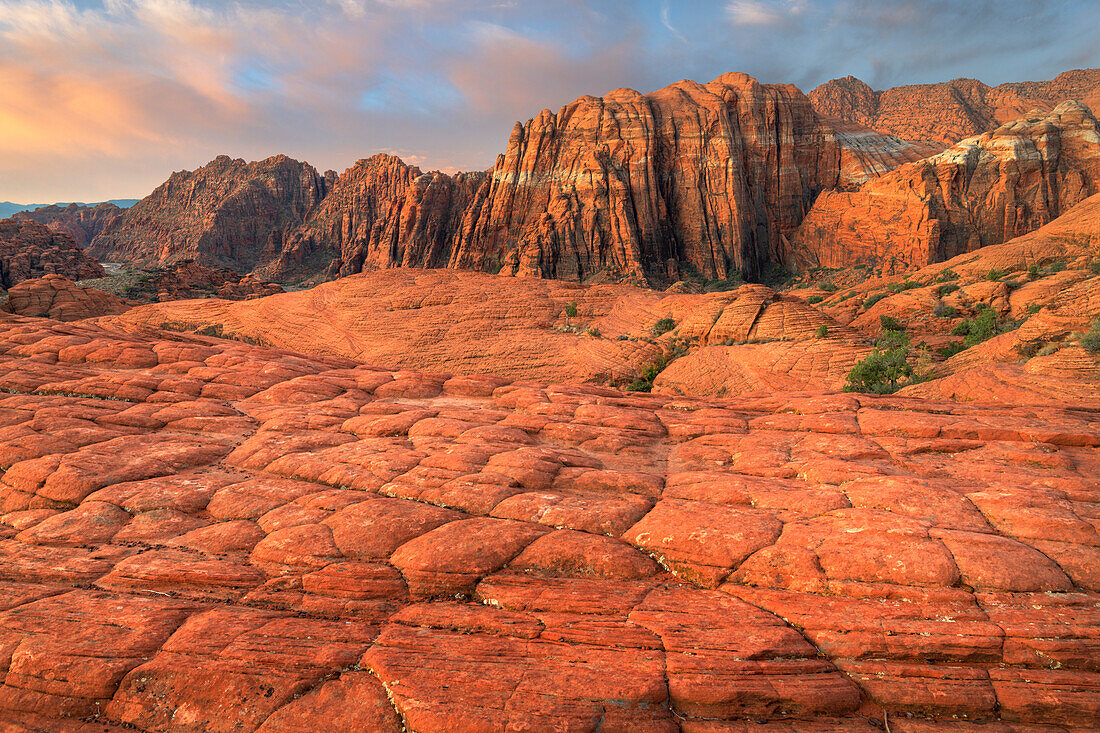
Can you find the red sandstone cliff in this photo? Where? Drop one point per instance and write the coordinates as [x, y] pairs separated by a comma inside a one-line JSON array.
[[701, 177], [228, 213], [982, 191], [82, 223], [28, 250], [949, 111], [382, 213]]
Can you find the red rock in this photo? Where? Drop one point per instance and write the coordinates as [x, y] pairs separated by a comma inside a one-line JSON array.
[[30, 250], [57, 297], [82, 223]]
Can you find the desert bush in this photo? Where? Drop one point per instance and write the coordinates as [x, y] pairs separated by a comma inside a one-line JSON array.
[[1090, 341], [813, 299], [872, 299], [903, 286], [952, 348], [821, 331], [1048, 350], [1094, 267], [883, 372], [942, 310], [828, 287], [1034, 308], [889, 323], [594, 332], [994, 275], [663, 326], [946, 276], [946, 289]]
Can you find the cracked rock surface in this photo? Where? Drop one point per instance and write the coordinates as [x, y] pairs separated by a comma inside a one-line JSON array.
[[204, 535]]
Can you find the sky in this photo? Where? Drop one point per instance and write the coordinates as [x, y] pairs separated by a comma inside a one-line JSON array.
[[105, 99]]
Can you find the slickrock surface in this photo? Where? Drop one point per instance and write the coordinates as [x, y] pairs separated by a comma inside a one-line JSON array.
[[28, 250], [949, 111], [82, 223], [228, 213], [984, 190], [472, 323], [59, 298], [207, 535]]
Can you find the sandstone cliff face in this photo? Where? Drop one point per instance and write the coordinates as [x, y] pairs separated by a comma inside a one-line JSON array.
[[82, 223], [382, 213], [704, 177], [984, 190], [949, 111], [28, 249], [228, 213]]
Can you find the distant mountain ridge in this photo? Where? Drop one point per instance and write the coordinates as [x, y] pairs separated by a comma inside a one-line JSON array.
[[8, 208]]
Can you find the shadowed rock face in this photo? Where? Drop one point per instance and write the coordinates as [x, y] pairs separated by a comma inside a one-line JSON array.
[[204, 534], [984, 190], [82, 223], [382, 213], [228, 213], [28, 250], [949, 111]]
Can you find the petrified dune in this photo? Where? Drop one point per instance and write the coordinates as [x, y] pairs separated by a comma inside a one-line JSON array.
[[202, 534]]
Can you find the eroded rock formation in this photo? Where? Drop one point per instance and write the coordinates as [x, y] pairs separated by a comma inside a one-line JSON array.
[[28, 249], [207, 534], [228, 213], [947, 112], [982, 191], [59, 298], [82, 223]]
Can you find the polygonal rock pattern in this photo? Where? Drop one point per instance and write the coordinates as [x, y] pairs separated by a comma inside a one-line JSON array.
[[200, 534]]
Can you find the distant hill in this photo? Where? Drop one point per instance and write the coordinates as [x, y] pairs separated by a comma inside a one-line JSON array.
[[7, 208]]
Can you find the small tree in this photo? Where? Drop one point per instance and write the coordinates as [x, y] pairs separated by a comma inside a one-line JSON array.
[[880, 373], [663, 326]]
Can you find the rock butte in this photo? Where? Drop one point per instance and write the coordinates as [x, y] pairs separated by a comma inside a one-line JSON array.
[[200, 534], [29, 250]]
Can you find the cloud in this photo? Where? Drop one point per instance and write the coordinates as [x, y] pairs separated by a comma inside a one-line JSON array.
[[754, 12]]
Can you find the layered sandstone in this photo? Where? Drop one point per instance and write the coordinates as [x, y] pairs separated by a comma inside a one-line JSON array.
[[694, 177], [382, 213], [59, 298], [947, 112], [82, 223], [28, 250], [982, 191], [228, 213], [204, 534]]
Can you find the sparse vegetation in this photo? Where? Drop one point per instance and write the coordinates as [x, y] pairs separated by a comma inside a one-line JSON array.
[[994, 275], [889, 323], [947, 276], [821, 331], [982, 327], [828, 287], [814, 299], [883, 372], [952, 348], [1090, 340], [1034, 308], [663, 326], [677, 347], [903, 286], [942, 310], [872, 299], [1094, 267], [946, 289], [594, 332], [571, 310], [1049, 349]]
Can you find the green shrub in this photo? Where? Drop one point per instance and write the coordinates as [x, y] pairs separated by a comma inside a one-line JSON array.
[[872, 299], [1056, 266], [889, 323], [814, 299], [947, 275], [1033, 271], [946, 289], [1034, 308], [995, 275], [822, 331], [828, 287], [1094, 267], [883, 372], [571, 310], [622, 337], [941, 310], [903, 286], [663, 326], [961, 329], [594, 332], [893, 339], [952, 348], [1090, 341]]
